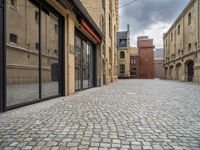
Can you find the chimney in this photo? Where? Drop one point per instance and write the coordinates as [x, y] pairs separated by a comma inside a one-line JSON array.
[[128, 27]]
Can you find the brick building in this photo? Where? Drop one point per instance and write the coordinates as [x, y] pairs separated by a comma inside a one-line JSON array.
[[135, 63], [105, 14], [146, 57]]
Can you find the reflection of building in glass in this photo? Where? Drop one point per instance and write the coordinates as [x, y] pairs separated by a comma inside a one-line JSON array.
[[44, 59], [23, 43]]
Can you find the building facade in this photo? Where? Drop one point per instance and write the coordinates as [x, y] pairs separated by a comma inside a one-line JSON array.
[[146, 56], [105, 14], [158, 63], [48, 49], [123, 45], [182, 45], [135, 63]]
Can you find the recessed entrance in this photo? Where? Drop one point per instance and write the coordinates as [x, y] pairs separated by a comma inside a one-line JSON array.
[[190, 71], [84, 53], [178, 71]]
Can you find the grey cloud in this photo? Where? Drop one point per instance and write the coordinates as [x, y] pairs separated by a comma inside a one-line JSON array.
[[144, 13]]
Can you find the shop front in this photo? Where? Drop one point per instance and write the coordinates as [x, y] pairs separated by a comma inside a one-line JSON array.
[[84, 62], [33, 51], [47, 50]]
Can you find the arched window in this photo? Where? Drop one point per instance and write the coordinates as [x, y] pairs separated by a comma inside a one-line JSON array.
[[122, 55]]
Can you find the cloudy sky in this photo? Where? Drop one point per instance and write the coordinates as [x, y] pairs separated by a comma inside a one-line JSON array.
[[149, 17]]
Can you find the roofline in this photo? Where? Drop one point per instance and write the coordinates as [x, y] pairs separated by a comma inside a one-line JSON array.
[[82, 13], [179, 17]]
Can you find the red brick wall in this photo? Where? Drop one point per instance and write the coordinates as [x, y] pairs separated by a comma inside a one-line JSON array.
[[146, 63], [146, 56]]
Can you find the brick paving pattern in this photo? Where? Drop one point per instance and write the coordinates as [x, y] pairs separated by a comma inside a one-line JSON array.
[[129, 114]]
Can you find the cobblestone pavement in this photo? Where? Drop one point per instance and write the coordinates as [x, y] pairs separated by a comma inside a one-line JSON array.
[[129, 114]]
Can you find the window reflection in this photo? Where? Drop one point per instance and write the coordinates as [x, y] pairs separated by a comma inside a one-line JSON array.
[[84, 61], [49, 46], [22, 63], [23, 50]]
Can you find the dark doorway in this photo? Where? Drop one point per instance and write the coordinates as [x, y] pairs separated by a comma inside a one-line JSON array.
[[190, 71]]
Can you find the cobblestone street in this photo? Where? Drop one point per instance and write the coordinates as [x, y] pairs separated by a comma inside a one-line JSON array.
[[128, 114]]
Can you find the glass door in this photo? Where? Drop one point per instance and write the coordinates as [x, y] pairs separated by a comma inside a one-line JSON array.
[[84, 63]]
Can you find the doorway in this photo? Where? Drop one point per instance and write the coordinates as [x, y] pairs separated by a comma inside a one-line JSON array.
[[84, 54], [190, 71]]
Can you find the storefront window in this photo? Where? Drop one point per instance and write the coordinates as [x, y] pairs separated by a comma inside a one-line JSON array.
[[85, 65], [32, 53], [84, 61], [22, 65], [77, 55], [50, 60]]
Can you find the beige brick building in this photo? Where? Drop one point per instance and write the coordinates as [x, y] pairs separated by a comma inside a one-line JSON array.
[[124, 50], [182, 45], [50, 52], [105, 14]]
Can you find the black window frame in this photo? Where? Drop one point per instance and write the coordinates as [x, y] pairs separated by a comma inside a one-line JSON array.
[[2, 57], [42, 5]]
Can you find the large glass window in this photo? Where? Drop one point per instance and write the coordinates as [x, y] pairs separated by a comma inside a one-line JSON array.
[[84, 63], [77, 54], [22, 65], [50, 54], [32, 48], [91, 65]]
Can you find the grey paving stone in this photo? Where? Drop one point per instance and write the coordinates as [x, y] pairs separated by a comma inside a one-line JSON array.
[[128, 114]]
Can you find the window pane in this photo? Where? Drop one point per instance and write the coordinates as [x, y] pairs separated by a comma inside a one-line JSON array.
[[85, 65], [22, 65], [91, 63], [77, 54], [1, 2], [50, 55]]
